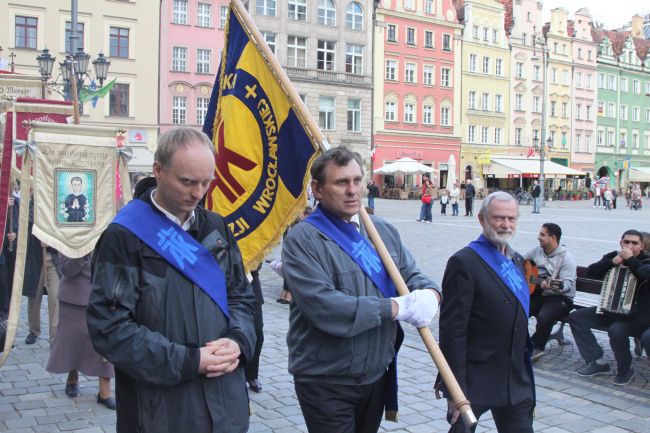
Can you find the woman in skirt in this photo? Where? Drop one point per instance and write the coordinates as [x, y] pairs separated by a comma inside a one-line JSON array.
[[72, 351]]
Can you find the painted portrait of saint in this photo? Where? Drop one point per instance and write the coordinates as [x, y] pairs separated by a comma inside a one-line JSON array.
[[75, 192]]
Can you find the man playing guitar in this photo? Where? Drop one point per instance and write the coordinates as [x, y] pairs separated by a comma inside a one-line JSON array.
[[555, 286]]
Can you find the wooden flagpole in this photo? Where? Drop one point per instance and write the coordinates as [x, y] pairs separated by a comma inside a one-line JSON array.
[[306, 119]]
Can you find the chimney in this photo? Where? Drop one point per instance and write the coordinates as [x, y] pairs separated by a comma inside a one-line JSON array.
[[636, 30]]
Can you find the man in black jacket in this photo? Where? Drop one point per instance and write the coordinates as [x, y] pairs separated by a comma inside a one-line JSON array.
[[470, 192], [619, 328], [176, 345], [536, 193], [484, 322]]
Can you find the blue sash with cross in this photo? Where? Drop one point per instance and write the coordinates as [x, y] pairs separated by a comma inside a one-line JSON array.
[[177, 247], [507, 271], [346, 236]]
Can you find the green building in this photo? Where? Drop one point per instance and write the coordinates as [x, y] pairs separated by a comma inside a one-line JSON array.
[[623, 109]]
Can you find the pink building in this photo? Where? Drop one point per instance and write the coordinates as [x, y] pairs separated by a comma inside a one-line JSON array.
[[191, 40], [416, 85], [585, 52]]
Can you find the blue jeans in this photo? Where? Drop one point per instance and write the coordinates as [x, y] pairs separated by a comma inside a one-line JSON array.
[[371, 202], [425, 212], [454, 209], [536, 201]]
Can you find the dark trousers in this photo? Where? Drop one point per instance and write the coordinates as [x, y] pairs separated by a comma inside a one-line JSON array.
[[469, 204], [454, 209], [6, 278], [253, 365], [329, 408], [619, 330], [517, 418], [443, 208], [547, 310]]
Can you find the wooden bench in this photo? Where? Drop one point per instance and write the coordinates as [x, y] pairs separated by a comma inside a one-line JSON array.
[[587, 295]]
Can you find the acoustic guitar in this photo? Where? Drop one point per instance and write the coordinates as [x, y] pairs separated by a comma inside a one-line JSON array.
[[534, 280]]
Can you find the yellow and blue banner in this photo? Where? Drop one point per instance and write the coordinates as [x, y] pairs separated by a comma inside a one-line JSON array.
[[263, 151]]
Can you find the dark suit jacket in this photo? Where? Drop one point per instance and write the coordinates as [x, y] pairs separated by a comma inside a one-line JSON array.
[[484, 333]]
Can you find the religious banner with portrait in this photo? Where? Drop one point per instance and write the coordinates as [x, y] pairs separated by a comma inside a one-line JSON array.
[[74, 185]]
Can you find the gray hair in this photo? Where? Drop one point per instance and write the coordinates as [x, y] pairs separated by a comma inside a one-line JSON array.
[[169, 142], [498, 196]]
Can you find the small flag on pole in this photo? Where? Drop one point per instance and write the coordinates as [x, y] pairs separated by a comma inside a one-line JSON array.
[[263, 148], [86, 93]]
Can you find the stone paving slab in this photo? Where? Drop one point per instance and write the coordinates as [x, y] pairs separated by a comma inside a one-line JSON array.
[[32, 400]]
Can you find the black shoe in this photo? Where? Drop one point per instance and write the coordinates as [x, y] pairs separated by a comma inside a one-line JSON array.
[[255, 385], [593, 369], [622, 379], [72, 389], [31, 338], [109, 402]]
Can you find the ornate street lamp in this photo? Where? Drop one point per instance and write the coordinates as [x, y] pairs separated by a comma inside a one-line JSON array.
[[45, 64], [101, 65], [74, 67]]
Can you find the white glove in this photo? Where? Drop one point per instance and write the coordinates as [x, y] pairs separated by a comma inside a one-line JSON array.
[[417, 308], [276, 265]]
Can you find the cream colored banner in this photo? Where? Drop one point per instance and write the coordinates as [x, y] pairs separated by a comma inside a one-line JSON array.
[[74, 185]]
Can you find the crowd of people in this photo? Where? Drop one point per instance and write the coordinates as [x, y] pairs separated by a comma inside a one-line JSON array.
[[179, 323]]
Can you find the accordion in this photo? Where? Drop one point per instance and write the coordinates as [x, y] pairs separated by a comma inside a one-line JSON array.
[[618, 291]]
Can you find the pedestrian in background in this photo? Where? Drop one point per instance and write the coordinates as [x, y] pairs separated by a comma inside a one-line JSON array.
[[607, 197], [373, 191], [536, 194], [444, 199], [453, 198], [427, 200]]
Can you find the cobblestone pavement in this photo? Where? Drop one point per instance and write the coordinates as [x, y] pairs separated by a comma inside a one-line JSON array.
[[32, 400]]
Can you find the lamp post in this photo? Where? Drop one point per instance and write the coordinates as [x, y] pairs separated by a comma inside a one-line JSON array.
[[538, 39], [74, 69]]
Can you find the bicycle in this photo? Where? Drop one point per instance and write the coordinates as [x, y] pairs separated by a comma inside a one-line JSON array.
[[524, 198]]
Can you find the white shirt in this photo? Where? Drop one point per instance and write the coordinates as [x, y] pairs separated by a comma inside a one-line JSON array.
[[188, 222]]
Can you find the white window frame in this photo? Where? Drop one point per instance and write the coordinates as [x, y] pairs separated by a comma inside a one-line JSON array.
[[296, 45], [179, 14], [204, 15], [354, 115], [179, 110], [327, 113], [297, 10], [326, 13], [353, 17], [354, 59], [203, 60], [179, 59]]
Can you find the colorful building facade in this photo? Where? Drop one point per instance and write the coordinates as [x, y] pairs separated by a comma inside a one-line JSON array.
[[559, 78], [623, 128], [325, 47], [191, 42], [416, 86], [124, 36], [485, 75], [583, 92], [522, 20]]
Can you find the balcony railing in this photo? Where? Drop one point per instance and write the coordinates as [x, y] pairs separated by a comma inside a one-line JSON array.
[[328, 76]]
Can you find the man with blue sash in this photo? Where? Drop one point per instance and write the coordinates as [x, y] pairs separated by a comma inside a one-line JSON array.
[[484, 323], [170, 306], [343, 329]]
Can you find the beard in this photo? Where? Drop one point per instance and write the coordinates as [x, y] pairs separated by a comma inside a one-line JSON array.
[[498, 238]]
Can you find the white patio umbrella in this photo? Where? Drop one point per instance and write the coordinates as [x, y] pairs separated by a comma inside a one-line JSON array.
[[451, 173], [405, 166]]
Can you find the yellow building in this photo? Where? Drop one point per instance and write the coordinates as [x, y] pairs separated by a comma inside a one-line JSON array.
[[125, 31], [559, 79], [485, 92]]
